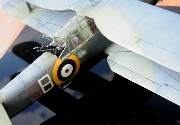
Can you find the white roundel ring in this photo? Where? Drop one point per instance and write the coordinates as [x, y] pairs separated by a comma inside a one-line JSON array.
[[67, 70]]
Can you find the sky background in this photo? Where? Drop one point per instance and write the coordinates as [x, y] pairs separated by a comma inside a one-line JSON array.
[[10, 64]]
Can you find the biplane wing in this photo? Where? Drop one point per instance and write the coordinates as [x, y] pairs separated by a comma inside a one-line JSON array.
[[42, 20], [146, 38]]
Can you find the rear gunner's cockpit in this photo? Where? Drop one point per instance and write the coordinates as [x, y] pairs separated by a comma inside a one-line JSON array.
[[70, 37]]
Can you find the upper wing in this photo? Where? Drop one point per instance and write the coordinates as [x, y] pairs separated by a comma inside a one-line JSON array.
[[144, 29], [4, 119], [61, 4], [42, 20]]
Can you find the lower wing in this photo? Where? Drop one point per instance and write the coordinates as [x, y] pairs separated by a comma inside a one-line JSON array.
[[145, 72]]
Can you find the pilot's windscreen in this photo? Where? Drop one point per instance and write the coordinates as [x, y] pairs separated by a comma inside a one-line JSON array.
[[76, 18], [60, 41], [70, 24], [62, 32]]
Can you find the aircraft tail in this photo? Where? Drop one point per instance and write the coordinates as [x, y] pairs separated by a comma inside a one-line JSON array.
[[29, 85]]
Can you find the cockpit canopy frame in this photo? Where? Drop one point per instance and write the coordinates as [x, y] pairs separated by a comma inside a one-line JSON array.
[[74, 34]]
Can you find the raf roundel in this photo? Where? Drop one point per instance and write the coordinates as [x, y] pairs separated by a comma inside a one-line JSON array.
[[64, 70]]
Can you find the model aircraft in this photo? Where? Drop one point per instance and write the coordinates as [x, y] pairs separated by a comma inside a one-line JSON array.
[[140, 40]]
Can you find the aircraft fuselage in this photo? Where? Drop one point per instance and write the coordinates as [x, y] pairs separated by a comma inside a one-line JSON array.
[[78, 45]]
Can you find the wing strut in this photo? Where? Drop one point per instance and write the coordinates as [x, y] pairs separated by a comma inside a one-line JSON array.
[[29, 7]]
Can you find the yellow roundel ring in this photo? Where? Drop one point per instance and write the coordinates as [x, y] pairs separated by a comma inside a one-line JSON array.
[[63, 70], [77, 61]]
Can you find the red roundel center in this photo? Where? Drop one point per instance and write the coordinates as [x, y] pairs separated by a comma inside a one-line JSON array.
[[67, 70]]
